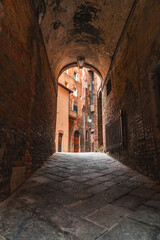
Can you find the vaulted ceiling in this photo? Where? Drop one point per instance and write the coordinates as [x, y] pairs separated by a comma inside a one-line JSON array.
[[91, 29]]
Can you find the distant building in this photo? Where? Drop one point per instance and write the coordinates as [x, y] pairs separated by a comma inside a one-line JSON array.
[[62, 125], [77, 114], [95, 111]]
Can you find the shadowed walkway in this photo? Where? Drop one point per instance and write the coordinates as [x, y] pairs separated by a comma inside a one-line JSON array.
[[83, 196]]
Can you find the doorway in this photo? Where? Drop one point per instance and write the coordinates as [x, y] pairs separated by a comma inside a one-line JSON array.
[[76, 141], [60, 142]]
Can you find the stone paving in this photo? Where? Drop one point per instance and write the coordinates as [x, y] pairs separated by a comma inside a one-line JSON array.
[[83, 196]]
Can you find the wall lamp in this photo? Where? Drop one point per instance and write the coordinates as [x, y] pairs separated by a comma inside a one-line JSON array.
[[80, 62]]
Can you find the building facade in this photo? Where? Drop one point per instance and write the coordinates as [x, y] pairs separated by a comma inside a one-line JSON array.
[[77, 120], [62, 124]]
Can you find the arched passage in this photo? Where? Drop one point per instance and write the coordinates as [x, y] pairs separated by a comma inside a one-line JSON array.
[[77, 102], [118, 38], [87, 29]]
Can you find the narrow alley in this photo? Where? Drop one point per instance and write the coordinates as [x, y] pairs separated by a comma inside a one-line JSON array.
[[79, 120], [83, 196]]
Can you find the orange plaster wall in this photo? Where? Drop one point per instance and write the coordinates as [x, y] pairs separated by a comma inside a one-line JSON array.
[[62, 124]]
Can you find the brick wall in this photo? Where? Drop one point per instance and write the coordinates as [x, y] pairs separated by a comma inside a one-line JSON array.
[[100, 131], [27, 96], [138, 54], [96, 86]]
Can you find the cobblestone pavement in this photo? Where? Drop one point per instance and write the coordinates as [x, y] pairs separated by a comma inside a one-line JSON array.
[[83, 196]]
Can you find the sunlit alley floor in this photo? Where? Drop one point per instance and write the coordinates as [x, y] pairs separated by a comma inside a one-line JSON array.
[[83, 196]]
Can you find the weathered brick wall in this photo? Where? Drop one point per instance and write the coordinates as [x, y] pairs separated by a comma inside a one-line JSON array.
[[138, 54], [96, 86], [100, 127], [27, 96]]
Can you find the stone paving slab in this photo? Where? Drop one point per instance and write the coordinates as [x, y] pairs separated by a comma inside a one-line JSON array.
[[129, 202], [83, 196], [98, 180], [108, 184], [78, 178], [120, 179], [131, 184], [143, 192], [92, 175], [69, 221], [109, 216], [153, 204], [147, 215], [131, 230]]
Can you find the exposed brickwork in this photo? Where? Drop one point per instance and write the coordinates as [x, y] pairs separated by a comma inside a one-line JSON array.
[[138, 54], [27, 95], [100, 130], [97, 83]]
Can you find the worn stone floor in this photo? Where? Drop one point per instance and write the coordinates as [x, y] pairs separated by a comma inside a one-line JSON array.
[[83, 196]]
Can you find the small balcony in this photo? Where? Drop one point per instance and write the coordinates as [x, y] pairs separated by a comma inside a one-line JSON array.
[[72, 114]]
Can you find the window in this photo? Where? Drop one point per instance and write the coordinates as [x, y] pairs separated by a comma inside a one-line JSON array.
[[92, 92], [75, 75], [75, 92], [75, 108], [86, 135], [66, 83], [109, 87], [92, 118], [72, 104], [88, 119]]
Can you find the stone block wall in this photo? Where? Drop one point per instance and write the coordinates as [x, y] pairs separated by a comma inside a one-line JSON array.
[[27, 96], [138, 53]]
